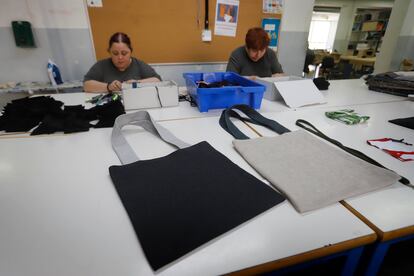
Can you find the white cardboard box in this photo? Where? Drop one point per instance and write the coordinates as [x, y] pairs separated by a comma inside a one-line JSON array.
[[294, 91], [271, 93], [150, 95]]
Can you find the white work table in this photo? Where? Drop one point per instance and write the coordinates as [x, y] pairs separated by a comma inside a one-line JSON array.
[[340, 93], [388, 211], [183, 111], [61, 215]]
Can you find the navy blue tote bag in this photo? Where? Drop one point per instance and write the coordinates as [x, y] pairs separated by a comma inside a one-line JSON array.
[[181, 201]]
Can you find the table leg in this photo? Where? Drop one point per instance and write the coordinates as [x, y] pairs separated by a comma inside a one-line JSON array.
[[352, 261]]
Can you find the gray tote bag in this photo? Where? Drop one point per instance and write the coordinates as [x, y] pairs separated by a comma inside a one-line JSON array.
[[310, 172]]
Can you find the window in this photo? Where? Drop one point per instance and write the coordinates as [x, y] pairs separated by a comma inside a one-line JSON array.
[[322, 30]]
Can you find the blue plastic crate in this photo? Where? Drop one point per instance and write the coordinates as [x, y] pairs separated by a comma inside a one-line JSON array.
[[249, 92]]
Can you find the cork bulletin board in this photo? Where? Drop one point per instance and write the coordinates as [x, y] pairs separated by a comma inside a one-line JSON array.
[[167, 31]]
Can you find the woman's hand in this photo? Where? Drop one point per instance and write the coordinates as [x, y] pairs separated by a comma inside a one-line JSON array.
[[116, 85]]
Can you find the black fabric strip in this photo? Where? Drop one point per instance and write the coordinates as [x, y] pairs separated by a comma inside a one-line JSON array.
[[253, 117], [206, 23]]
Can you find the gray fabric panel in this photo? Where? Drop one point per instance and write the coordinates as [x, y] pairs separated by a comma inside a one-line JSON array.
[[70, 49], [141, 118], [311, 173], [403, 49], [292, 51]]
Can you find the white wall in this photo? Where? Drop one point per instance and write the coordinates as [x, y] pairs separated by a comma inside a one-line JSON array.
[[61, 32], [45, 13], [294, 30], [398, 42], [408, 26]]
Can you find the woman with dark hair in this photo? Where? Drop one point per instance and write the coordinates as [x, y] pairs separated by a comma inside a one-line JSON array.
[[255, 59], [108, 74]]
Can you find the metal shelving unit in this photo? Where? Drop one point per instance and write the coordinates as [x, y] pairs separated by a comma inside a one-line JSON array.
[[368, 29]]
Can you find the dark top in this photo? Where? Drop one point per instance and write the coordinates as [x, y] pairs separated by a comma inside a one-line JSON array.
[[105, 71], [310, 57], [240, 63]]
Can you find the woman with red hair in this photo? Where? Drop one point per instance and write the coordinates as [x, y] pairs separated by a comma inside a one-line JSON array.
[[255, 59]]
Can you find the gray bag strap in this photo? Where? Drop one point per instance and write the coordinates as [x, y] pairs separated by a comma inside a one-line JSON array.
[[141, 118]]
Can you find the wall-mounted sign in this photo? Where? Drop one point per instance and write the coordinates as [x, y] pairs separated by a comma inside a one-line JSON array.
[[271, 26], [227, 12], [272, 6]]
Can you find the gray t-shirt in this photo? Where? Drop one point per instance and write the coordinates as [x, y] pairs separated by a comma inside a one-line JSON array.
[[105, 71], [240, 63]]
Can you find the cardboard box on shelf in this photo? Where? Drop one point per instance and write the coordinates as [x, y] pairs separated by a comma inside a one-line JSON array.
[[369, 26]]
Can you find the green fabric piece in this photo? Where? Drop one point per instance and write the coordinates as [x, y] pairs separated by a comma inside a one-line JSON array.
[[347, 116]]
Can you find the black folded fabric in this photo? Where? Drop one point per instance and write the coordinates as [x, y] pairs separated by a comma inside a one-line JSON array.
[[178, 202], [24, 114], [405, 122], [74, 108], [75, 124], [50, 124], [216, 84], [21, 124], [68, 123], [107, 113], [321, 83], [391, 83]]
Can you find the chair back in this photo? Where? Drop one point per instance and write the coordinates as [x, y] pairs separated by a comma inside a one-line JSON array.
[[328, 62]]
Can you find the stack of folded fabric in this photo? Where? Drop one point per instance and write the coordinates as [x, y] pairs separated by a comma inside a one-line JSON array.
[[49, 115], [401, 84]]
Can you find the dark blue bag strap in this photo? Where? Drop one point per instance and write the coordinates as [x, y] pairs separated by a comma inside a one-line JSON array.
[[252, 117]]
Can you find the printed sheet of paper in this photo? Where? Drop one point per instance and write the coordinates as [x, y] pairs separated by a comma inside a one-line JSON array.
[[227, 12], [272, 6]]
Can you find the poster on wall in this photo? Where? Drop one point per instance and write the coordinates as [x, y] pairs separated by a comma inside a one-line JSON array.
[[226, 17], [271, 26], [272, 6]]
